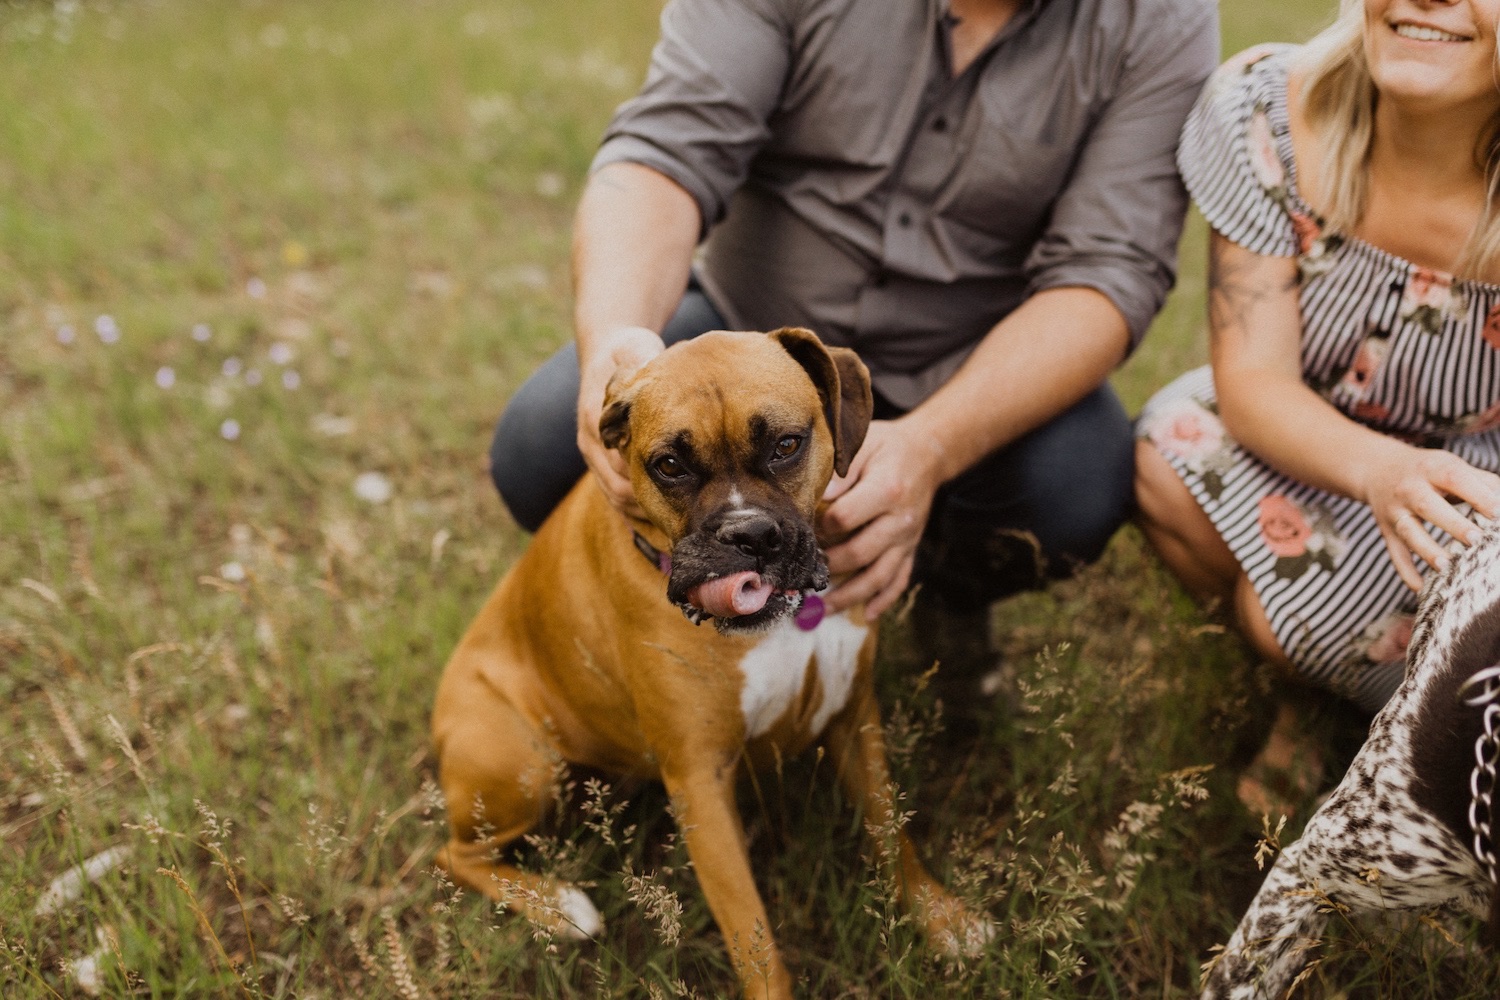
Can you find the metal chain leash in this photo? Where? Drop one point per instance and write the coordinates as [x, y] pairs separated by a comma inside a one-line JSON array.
[[1482, 780]]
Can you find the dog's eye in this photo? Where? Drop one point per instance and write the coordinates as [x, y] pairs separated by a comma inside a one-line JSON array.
[[787, 447], [668, 467]]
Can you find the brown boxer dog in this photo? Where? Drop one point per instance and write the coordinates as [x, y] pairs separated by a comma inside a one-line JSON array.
[[591, 650]]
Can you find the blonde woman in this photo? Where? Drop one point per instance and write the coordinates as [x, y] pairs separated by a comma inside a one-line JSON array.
[[1348, 428]]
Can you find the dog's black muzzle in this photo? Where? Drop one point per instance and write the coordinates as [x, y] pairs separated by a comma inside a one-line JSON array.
[[783, 551]]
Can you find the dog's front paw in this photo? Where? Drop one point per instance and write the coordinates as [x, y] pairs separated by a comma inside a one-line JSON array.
[[581, 920], [967, 938], [564, 909], [953, 928]]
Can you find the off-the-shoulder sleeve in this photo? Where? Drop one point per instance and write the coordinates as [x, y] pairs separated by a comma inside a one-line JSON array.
[[1231, 157]]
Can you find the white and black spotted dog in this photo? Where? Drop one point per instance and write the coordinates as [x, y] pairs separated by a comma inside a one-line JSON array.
[[1396, 834]]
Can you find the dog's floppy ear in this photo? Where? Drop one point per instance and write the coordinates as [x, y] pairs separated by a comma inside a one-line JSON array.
[[614, 421], [843, 384]]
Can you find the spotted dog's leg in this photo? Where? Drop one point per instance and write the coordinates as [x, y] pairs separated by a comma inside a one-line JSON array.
[[1270, 945]]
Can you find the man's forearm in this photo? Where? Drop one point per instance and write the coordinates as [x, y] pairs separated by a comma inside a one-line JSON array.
[[633, 241], [1041, 359]]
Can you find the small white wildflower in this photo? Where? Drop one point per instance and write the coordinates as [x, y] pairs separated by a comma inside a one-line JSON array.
[[252, 376], [372, 487], [85, 972], [241, 535], [107, 329], [231, 367], [255, 288], [202, 332], [280, 353], [68, 886], [65, 334], [290, 379], [549, 184], [166, 377], [230, 430], [233, 572], [217, 396]]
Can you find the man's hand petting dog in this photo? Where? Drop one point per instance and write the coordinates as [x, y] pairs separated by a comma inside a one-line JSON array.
[[878, 511]]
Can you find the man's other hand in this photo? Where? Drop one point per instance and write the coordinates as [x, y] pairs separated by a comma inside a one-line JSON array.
[[878, 512]]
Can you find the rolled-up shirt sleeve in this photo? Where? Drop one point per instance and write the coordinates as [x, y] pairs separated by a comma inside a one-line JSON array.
[[715, 80], [1115, 227]]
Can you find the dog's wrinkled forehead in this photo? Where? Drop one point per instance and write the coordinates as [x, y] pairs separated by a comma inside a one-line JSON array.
[[721, 392]]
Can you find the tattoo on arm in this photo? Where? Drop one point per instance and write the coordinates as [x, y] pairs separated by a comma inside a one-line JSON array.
[[1237, 290]]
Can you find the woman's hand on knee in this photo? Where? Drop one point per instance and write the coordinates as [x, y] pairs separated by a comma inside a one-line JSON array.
[[1414, 487]]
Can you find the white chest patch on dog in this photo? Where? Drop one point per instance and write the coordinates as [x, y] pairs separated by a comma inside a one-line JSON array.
[[776, 669]]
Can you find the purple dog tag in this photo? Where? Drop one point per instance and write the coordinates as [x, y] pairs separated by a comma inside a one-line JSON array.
[[810, 613]]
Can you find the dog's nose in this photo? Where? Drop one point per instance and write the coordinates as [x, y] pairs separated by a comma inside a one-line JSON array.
[[754, 535]]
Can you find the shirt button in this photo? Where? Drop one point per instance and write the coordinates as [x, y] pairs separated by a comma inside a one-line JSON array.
[[880, 280], [940, 124], [903, 220]]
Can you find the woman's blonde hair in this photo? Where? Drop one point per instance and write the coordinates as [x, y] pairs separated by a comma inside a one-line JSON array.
[[1338, 98]]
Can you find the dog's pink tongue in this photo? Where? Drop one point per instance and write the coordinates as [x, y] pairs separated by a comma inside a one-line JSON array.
[[738, 594]]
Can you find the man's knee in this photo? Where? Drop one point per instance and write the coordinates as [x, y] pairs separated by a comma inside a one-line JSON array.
[[534, 457], [1036, 511], [1070, 483]]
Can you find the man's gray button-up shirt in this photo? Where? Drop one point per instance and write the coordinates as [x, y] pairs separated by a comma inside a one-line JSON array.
[[850, 183]]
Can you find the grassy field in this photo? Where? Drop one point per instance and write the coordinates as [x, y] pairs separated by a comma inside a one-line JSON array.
[[267, 273]]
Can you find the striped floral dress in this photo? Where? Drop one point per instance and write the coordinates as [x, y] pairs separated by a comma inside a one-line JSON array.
[[1408, 351]]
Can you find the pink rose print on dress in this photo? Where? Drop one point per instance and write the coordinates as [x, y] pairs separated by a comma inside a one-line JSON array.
[[1187, 430], [1350, 387], [1367, 363], [1371, 413], [1264, 160], [1283, 527], [1297, 539], [1316, 248], [1428, 299], [1194, 434], [1488, 420], [1308, 231], [1492, 328]]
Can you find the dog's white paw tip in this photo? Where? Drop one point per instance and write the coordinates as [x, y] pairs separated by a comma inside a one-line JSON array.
[[581, 919], [969, 939], [980, 934]]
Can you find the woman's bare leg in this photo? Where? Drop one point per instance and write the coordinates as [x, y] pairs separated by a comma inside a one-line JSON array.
[[1178, 529], [1287, 769]]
